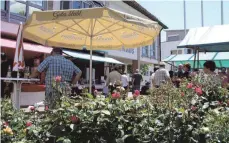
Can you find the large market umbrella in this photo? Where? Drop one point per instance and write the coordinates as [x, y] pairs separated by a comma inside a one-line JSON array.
[[94, 28], [18, 63]]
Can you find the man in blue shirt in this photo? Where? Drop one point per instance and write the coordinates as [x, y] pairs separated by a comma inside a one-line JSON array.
[[56, 65]]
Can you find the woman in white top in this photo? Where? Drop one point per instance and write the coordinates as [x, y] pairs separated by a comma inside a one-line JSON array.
[[125, 82]]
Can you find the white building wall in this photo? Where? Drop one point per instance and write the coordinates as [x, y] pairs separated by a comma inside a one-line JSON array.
[[166, 48]]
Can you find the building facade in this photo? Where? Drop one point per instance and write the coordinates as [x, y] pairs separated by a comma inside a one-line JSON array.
[[169, 47], [13, 12]]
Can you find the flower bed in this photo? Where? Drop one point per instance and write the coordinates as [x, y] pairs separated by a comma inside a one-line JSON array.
[[198, 111]]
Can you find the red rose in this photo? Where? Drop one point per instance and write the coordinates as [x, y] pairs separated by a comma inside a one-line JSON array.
[[32, 108], [193, 108], [199, 91], [5, 124], [182, 94], [137, 92], [190, 85], [28, 124], [116, 95], [58, 79], [75, 119], [46, 107]]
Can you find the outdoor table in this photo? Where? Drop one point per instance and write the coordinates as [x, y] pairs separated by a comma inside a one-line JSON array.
[[17, 88]]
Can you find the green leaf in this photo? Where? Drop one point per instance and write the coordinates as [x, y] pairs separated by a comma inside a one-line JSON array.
[[67, 141], [60, 139], [90, 96], [96, 112], [106, 112]]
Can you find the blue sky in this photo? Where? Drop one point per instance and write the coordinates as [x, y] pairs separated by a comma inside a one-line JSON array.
[[171, 13]]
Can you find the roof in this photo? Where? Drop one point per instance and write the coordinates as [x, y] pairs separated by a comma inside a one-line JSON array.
[[176, 30], [208, 39], [141, 9]]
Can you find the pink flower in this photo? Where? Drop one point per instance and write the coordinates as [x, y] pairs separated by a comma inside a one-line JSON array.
[[5, 124], [190, 85], [28, 124], [137, 92], [193, 108], [46, 107], [32, 108], [75, 119], [182, 94], [58, 79], [199, 91], [115, 95]]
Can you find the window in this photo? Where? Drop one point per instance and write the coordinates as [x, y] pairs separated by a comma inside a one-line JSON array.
[[77, 4], [17, 7], [145, 51], [189, 51], [173, 52], [179, 51], [25, 8], [3, 5], [174, 38], [39, 2], [65, 4], [153, 51]]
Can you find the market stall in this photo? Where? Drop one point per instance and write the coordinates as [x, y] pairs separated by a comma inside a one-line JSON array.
[[206, 39], [220, 58]]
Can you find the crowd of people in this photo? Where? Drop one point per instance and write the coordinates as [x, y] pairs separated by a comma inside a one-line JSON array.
[[161, 75]]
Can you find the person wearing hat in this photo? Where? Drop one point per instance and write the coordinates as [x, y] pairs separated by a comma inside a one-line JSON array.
[[137, 79], [56, 65], [161, 75]]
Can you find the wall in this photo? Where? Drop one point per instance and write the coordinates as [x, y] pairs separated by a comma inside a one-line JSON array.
[[181, 33], [166, 48]]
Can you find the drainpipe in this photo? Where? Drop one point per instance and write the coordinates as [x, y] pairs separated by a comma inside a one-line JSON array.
[[160, 45]]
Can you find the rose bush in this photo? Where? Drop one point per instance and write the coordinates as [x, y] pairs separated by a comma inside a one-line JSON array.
[[168, 114]]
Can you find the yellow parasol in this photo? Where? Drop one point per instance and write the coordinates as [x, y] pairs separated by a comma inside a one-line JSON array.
[[93, 28]]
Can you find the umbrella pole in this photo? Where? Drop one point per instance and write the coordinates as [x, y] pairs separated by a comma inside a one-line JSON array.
[[198, 58], [194, 65], [90, 69]]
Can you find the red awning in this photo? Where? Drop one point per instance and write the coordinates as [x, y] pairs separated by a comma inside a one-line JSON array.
[[27, 46]]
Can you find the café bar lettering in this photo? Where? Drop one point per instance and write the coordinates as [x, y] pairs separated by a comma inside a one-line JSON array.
[[58, 14]]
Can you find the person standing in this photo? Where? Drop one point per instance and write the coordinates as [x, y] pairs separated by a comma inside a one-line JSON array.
[[125, 81], [152, 76], [161, 75], [137, 79], [56, 65], [178, 75], [187, 70], [113, 77]]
